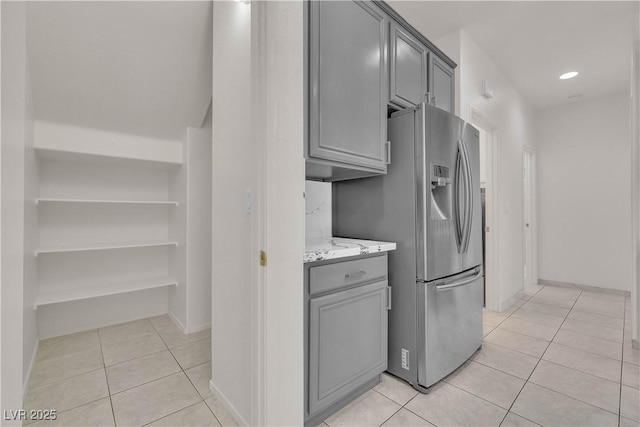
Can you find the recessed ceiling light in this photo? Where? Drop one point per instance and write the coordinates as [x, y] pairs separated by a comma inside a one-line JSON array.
[[569, 75]]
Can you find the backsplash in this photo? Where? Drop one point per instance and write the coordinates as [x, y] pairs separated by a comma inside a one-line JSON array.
[[317, 209]]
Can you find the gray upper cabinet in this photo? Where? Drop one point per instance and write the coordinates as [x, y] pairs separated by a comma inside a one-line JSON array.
[[442, 85], [408, 64], [348, 85]]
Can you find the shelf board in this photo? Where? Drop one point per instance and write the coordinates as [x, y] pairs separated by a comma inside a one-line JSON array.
[[103, 246], [66, 295], [116, 202], [71, 143]]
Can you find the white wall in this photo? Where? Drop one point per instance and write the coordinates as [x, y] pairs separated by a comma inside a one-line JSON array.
[[584, 187], [511, 118], [232, 260], [199, 226], [178, 180], [635, 183], [12, 150], [30, 288], [280, 77], [257, 337]]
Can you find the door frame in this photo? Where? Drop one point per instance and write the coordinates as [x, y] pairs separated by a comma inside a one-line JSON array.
[[492, 283], [531, 194], [277, 117]]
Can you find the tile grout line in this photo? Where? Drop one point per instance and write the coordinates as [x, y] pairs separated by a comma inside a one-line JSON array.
[[529, 298], [565, 345], [480, 397], [397, 410], [624, 323], [587, 351], [168, 415], [168, 349], [185, 373], [106, 378], [136, 358], [574, 398], [555, 391], [470, 360], [539, 359], [411, 400], [104, 367]]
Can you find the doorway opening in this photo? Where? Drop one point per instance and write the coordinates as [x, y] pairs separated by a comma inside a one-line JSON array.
[[488, 180]]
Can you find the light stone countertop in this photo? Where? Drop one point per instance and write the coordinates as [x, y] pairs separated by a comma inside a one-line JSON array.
[[319, 249]]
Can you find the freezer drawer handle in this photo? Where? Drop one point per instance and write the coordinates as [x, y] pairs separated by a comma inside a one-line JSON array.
[[462, 282], [353, 276]]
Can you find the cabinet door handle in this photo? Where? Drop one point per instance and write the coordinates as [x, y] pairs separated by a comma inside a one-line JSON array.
[[353, 276], [388, 147], [388, 297]]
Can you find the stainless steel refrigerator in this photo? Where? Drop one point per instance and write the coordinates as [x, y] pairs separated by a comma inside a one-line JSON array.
[[429, 204]]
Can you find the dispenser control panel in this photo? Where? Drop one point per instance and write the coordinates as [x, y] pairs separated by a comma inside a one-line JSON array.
[[439, 175], [440, 171]]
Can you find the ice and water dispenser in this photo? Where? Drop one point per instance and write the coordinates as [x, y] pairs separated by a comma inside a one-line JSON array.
[[441, 193]]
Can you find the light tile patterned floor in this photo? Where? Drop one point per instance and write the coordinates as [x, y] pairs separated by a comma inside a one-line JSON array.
[[145, 372], [557, 357]]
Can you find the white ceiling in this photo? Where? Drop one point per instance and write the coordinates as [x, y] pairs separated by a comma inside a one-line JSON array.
[[135, 67], [533, 42], [145, 67]]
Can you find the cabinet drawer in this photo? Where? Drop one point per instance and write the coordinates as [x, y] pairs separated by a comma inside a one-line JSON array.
[[333, 276]]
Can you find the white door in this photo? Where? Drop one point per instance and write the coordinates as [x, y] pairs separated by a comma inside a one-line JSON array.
[[527, 220]]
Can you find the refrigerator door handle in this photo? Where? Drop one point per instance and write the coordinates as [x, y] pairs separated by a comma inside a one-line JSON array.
[[448, 286], [468, 214], [458, 218]]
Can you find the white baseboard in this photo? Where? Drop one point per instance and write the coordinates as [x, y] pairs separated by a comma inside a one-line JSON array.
[[199, 328], [589, 288], [177, 322], [186, 330], [228, 406], [28, 377]]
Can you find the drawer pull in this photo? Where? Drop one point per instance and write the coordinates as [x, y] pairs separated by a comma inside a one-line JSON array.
[[353, 276]]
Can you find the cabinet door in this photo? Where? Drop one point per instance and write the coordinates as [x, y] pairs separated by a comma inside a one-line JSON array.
[[347, 342], [408, 59], [348, 83], [442, 85]]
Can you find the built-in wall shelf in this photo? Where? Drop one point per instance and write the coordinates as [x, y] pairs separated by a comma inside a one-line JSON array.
[[66, 295], [103, 246], [62, 142], [113, 202]]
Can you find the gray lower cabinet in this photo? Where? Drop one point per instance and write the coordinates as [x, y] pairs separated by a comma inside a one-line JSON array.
[[346, 332], [442, 85], [348, 85], [408, 68]]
